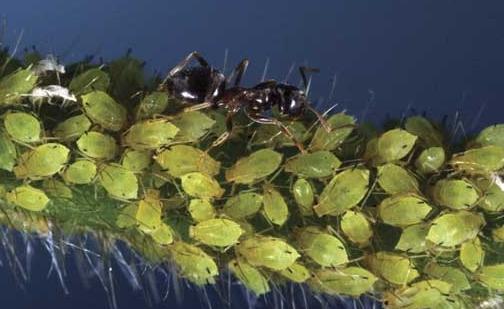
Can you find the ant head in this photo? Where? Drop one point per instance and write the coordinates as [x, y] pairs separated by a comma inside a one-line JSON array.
[[293, 100]]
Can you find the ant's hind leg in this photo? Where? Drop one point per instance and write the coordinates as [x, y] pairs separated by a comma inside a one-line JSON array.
[[320, 118]]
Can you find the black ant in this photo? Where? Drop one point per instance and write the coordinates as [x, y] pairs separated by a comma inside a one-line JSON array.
[[205, 87]]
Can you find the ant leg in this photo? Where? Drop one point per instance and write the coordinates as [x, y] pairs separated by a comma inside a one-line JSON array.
[[224, 136], [184, 63], [240, 69], [320, 118], [198, 107]]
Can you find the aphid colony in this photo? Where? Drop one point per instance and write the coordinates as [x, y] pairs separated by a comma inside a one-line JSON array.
[[190, 172]]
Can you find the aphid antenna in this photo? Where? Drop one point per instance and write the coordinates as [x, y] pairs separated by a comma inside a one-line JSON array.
[[265, 70], [11, 56]]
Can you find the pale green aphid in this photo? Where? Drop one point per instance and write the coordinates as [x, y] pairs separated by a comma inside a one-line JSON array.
[[492, 135], [451, 275], [23, 127], [270, 252], [201, 210], [352, 281], [254, 167], [342, 126], [423, 294], [356, 228], [243, 205], [72, 128], [343, 192], [423, 128], [218, 232], [323, 248], [162, 235], [15, 85], [97, 145], [394, 145], [413, 239], [479, 160], [472, 254], [250, 276], [27, 197], [304, 196], [273, 137], [90, 80], [455, 193], [452, 229], [153, 104], [498, 234], [193, 126], [119, 182], [43, 161], [402, 210], [179, 160], [8, 153], [194, 264], [394, 179], [275, 208], [396, 269], [201, 185], [493, 196], [80, 172], [150, 134], [104, 110], [297, 272], [313, 165], [56, 189], [126, 217], [136, 160], [430, 160], [492, 276], [149, 211]]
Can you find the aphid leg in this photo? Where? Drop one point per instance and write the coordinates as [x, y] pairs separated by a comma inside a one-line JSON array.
[[184, 63], [238, 72]]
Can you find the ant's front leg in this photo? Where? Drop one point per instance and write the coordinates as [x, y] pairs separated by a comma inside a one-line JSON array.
[[224, 136]]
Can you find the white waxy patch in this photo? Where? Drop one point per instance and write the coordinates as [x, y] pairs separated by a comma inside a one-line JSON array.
[[53, 91], [496, 178], [49, 64]]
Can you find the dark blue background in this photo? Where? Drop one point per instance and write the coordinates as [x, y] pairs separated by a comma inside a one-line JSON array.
[[437, 56]]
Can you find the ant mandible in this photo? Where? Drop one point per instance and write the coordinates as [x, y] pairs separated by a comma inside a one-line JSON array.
[[206, 87]]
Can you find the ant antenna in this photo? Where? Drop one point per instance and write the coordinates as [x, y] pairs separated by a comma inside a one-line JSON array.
[[240, 69], [307, 82]]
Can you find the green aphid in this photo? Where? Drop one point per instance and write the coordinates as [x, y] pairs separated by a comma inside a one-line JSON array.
[[492, 135], [455, 193], [412, 239], [90, 80], [153, 104], [273, 137], [351, 281], [402, 210], [80, 172], [23, 127], [356, 228], [492, 276], [162, 235], [395, 179], [218, 232], [343, 192], [313, 165], [323, 248], [423, 294], [8, 153], [127, 216], [451, 275], [498, 234], [454, 228], [150, 134], [394, 268], [119, 182], [56, 189], [371, 151], [493, 196], [97, 145], [342, 126], [482, 160], [136, 160], [394, 145], [43, 161], [15, 85], [472, 254], [149, 211], [251, 277], [193, 126], [104, 110], [193, 263], [304, 196], [297, 273], [201, 210], [270, 252], [201, 185], [243, 205], [430, 160], [179, 160], [254, 167], [275, 208], [424, 129], [72, 128], [28, 197]]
